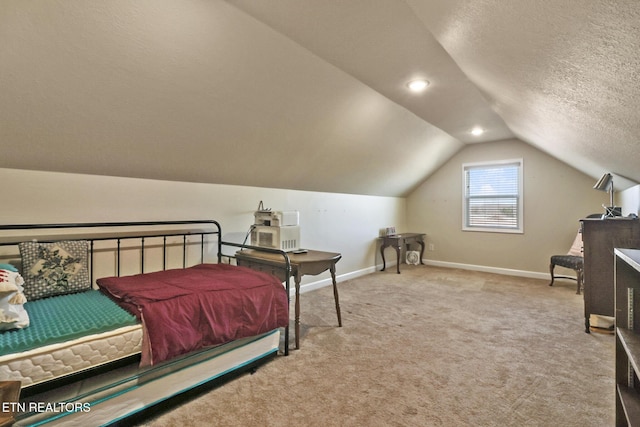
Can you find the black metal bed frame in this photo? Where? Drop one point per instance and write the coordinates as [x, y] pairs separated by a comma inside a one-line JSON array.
[[214, 229]]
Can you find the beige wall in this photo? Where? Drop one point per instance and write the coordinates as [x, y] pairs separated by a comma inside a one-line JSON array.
[[556, 196], [333, 222]]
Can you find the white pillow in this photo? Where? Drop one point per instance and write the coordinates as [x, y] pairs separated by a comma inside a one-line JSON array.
[[576, 247], [12, 313]]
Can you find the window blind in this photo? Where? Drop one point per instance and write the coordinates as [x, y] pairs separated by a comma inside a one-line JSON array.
[[492, 198]]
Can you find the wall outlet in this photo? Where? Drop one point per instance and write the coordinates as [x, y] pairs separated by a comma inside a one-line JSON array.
[[432, 247]]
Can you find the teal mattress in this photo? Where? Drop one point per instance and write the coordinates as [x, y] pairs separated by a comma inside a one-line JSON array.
[[63, 318]]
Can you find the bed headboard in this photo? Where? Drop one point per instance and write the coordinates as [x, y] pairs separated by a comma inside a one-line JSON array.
[[198, 241]]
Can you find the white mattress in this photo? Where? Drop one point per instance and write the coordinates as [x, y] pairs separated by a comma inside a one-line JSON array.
[[58, 360]]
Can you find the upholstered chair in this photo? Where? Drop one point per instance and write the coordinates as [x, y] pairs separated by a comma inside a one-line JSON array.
[[572, 260]]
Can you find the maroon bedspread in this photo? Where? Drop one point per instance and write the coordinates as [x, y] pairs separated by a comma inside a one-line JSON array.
[[189, 309]]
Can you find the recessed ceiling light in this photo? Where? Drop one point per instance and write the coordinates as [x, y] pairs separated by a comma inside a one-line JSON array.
[[477, 131], [418, 85]]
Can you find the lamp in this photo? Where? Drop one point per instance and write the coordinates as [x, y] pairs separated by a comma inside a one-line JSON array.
[[606, 184]]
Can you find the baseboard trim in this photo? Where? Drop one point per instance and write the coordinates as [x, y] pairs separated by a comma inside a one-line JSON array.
[[487, 269], [352, 275], [306, 287]]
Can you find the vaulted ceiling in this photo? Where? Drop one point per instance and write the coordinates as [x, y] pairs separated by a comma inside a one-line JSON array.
[[311, 94]]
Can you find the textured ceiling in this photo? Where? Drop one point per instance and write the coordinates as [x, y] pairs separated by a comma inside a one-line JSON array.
[[564, 75], [311, 95]]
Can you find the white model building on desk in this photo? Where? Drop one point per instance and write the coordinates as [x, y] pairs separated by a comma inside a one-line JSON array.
[[276, 230]]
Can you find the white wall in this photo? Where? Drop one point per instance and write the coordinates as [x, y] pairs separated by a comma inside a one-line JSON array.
[[629, 200], [332, 222]]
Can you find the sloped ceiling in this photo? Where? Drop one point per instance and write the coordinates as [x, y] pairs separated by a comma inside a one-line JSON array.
[[311, 95]]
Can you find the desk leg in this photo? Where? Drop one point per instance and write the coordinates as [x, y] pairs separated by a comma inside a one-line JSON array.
[[287, 328], [398, 250], [335, 293], [421, 242], [384, 265], [297, 312]]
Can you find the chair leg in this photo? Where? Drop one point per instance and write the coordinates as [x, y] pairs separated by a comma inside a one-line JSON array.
[[579, 280], [551, 267]]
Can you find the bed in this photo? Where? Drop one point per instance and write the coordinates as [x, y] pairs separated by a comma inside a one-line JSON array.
[[100, 299]]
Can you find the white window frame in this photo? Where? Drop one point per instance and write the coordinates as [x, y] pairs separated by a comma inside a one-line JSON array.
[[497, 227]]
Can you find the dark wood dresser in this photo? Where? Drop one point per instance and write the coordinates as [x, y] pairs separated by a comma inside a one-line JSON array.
[[600, 237]]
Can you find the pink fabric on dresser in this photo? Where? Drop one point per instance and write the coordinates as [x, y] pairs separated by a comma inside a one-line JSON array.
[[183, 310]]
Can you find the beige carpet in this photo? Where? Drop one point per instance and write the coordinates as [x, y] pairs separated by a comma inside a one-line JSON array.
[[429, 347]]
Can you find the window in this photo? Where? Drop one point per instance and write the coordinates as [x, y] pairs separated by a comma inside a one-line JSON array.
[[493, 196]]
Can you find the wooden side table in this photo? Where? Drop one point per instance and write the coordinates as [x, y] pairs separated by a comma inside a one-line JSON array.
[[309, 263], [398, 241]]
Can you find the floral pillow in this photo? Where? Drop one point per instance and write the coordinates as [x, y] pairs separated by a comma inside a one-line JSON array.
[[54, 268]]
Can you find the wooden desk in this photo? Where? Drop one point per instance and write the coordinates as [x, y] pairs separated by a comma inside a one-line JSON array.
[[311, 263], [397, 241]]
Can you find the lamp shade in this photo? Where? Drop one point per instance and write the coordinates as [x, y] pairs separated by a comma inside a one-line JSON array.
[[605, 183]]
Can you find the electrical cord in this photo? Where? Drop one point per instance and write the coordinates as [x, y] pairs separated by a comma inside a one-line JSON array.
[[244, 242]]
